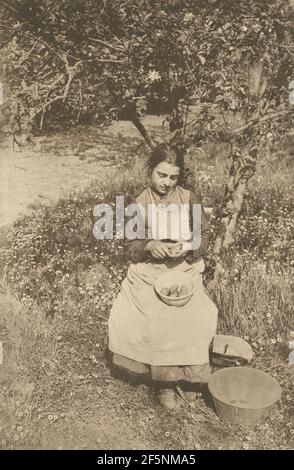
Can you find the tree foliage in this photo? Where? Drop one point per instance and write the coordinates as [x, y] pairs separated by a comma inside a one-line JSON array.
[[80, 58]]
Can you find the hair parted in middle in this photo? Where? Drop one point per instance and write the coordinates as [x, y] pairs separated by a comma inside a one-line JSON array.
[[166, 153]]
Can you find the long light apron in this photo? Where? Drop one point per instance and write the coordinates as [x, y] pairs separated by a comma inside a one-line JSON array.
[[143, 328]]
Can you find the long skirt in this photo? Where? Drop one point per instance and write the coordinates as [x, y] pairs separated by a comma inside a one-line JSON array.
[[147, 336]]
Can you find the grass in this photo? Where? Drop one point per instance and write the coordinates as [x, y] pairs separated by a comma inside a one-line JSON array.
[[58, 284]]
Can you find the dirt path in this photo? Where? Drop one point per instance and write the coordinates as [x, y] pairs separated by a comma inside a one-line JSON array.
[[57, 164]]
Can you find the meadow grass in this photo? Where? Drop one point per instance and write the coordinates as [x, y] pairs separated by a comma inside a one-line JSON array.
[[58, 285]]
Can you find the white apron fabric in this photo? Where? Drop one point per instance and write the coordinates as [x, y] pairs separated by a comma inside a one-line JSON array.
[[142, 327]]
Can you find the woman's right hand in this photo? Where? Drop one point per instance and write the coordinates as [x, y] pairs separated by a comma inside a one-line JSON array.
[[157, 249]]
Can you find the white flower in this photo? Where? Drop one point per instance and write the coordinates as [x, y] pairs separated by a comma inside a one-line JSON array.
[[188, 16], [154, 75]]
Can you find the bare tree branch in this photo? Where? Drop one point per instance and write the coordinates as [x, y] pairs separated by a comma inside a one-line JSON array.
[[107, 44], [108, 31], [26, 56], [9, 7], [57, 52], [138, 124], [55, 83], [130, 114], [256, 122], [104, 61], [71, 72]]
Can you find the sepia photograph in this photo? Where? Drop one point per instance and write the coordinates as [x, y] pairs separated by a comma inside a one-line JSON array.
[[146, 228]]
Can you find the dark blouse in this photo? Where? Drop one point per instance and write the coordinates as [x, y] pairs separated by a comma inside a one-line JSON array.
[[135, 249]]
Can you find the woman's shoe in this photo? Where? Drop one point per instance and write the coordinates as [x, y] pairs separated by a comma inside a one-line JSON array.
[[167, 398]]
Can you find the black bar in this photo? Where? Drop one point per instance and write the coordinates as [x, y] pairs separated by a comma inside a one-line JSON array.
[[138, 458]]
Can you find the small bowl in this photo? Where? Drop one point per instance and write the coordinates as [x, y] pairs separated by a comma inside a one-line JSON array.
[[175, 277]]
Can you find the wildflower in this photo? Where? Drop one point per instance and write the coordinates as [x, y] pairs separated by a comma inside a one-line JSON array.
[[245, 446], [246, 338], [15, 438], [197, 445], [153, 75], [188, 16], [167, 434], [273, 341], [50, 417], [291, 334], [142, 423]]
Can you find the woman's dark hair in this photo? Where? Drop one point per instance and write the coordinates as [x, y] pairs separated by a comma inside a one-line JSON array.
[[166, 153]]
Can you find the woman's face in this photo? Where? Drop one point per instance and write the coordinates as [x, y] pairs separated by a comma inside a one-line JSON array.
[[164, 177]]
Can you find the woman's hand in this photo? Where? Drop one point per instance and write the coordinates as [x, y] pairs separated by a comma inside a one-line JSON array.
[[176, 250], [158, 249]]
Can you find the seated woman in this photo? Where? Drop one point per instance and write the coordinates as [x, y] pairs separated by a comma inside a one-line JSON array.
[[146, 336]]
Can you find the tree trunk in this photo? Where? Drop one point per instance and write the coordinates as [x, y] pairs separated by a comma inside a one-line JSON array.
[[240, 171], [138, 124]]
